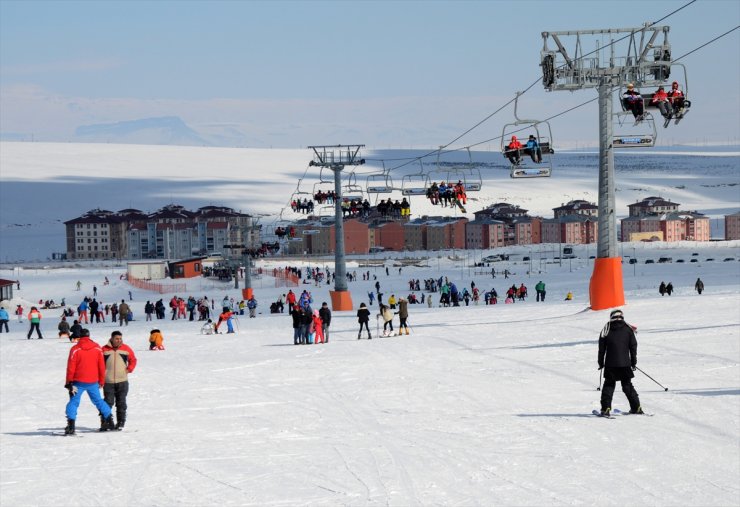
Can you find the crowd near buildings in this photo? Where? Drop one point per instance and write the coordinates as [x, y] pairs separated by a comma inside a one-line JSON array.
[[174, 232]]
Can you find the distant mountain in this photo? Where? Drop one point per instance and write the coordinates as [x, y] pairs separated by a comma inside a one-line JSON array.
[[165, 130]]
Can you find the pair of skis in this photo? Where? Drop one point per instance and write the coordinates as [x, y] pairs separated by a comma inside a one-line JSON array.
[[678, 117], [616, 412]]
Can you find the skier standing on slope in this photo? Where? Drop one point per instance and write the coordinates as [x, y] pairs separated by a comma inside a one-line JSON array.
[[325, 314], [120, 360], [387, 315], [618, 357], [363, 317], [403, 315]]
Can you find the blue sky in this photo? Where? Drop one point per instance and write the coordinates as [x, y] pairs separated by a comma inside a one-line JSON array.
[[405, 73]]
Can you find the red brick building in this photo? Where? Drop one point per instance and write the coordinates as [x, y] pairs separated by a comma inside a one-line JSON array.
[[732, 226]]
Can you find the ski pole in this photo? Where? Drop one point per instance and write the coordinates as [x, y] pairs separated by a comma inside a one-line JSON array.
[[651, 378], [601, 372]]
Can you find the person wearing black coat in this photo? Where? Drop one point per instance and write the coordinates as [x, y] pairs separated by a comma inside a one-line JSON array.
[[75, 331], [618, 357], [296, 315], [306, 316], [363, 317], [325, 315]]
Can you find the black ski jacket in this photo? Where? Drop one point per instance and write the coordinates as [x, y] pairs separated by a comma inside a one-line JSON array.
[[325, 315], [363, 315], [619, 346]]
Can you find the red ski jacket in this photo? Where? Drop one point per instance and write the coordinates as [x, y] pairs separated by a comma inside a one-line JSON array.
[[85, 362]]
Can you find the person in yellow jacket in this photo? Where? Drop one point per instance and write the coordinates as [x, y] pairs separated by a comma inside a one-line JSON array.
[[156, 340], [34, 317], [392, 301]]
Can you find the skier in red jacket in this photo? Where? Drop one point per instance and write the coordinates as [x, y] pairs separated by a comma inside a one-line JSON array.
[[86, 373]]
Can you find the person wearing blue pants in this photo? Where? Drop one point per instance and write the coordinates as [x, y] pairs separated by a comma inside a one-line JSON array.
[[86, 373]]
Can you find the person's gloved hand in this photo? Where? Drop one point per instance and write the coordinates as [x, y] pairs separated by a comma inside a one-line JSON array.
[[634, 367], [71, 388], [601, 366]]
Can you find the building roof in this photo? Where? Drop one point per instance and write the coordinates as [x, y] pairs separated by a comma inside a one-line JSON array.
[[653, 201], [188, 261], [96, 216], [486, 220], [5, 283], [576, 204]]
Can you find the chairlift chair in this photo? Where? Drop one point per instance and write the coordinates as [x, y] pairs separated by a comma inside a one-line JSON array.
[[473, 181], [523, 128], [659, 72], [628, 134], [380, 183], [415, 183], [351, 190]]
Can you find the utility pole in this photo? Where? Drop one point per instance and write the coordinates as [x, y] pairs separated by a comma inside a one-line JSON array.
[[336, 158], [645, 63]]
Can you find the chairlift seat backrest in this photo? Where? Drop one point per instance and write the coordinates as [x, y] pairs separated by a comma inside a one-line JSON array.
[[414, 191], [379, 189], [530, 172], [633, 141]]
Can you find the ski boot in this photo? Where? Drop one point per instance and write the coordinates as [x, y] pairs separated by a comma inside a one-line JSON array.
[[70, 429], [606, 412], [637, 410], [107, 424], [120, 421]]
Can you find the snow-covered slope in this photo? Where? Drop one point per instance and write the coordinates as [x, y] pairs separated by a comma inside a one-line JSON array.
[[479, 405]]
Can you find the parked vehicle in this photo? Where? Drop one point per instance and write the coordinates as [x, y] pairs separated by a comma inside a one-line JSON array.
[[495, 258], [664, 260], [649, 261]]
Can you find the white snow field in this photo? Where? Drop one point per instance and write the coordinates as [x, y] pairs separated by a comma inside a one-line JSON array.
[[479, 405]]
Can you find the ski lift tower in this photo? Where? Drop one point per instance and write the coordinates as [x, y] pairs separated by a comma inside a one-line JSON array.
[[643, 62], [335, 158]]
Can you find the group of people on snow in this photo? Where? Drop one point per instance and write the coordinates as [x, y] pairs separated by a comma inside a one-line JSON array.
[[310, 326], [664, 288], [91, 368]]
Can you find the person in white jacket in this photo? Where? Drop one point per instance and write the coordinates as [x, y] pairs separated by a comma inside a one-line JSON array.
[[387, 315]]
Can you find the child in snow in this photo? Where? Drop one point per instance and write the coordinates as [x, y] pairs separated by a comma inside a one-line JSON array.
[[207, 327], [318, 327], [156, 340]]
